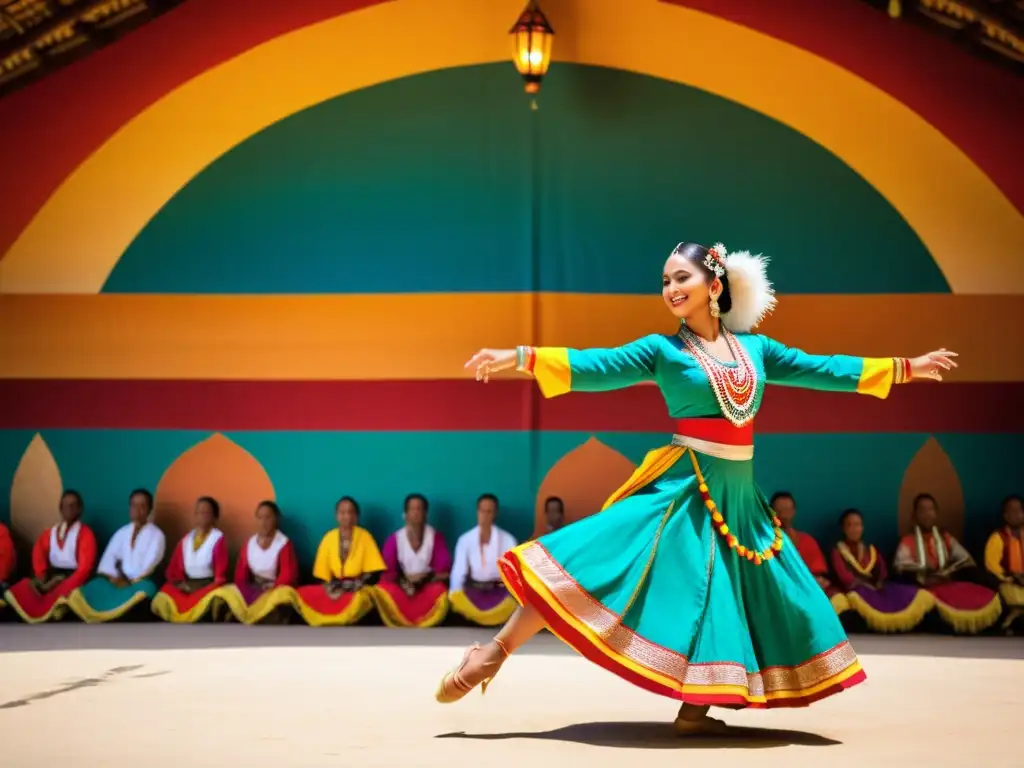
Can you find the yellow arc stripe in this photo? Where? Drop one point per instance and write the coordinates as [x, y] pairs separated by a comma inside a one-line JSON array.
[[972, 230], [430, 336]]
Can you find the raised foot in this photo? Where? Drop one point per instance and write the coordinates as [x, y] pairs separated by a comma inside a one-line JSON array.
[[479, 665]]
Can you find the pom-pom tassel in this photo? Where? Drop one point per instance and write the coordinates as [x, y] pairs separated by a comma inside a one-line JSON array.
[[752, 294]]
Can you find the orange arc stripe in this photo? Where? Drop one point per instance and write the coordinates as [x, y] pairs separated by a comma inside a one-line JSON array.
[[429, 336], [972, 230]]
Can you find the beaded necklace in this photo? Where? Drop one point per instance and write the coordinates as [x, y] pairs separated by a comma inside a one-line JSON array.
[[735, 387]]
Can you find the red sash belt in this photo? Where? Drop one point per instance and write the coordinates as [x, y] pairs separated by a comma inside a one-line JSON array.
[[716, 431]]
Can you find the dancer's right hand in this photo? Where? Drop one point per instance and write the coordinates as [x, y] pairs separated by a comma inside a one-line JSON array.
[[488, 361]]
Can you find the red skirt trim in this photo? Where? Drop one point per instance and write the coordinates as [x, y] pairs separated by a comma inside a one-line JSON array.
[[35, 608], [512, 573]]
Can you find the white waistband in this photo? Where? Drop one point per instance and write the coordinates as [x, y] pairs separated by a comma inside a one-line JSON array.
[[718, 450]]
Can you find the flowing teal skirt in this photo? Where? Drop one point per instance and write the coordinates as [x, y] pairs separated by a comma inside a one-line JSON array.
[[651, 590], [100, 601]]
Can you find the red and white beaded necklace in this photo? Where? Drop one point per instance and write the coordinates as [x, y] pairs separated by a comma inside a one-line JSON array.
[[735, 387]]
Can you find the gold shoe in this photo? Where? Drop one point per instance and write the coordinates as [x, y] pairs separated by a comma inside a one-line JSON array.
[[453, 685], [700, 725]]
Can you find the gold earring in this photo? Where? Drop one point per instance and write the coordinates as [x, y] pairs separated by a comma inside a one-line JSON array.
[[715, 311]]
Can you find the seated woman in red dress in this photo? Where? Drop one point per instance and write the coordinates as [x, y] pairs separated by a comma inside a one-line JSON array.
[[784, 506], [885, 606], [197, 576], [347, 565], [63, 558], [414, 590], [8, 558], [933, 559], [267, 571]]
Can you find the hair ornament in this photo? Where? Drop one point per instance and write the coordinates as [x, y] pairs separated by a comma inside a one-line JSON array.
[[752, 294], [715, 260]]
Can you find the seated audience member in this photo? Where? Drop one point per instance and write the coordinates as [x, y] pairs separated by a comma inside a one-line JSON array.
[[554, 514], [8, 558], [885, 606], [933, 559], [267, 571], [62, 559], [414, 590], [347, 565], [477, 591], [197, 576], [784, 506], [1004, 559], [123, 577]]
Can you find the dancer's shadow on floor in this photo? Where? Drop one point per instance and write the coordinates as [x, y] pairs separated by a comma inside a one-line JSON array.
[[658, 736]]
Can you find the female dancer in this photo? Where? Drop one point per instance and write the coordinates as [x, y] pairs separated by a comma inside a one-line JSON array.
[[684, 584]]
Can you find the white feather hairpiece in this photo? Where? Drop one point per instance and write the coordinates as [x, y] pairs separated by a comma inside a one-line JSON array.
[[752, 294]]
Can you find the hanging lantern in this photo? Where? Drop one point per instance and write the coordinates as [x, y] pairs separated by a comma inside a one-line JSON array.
[[532, 36]]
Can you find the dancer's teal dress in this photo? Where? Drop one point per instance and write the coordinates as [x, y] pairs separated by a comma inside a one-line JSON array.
[[650, 588]]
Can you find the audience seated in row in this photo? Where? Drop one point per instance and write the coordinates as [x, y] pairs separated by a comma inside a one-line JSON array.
[[416, 580]]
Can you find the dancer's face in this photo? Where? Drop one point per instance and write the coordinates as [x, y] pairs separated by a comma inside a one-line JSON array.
[[685, 287], [1013, 513], [853, 528], [266, 520], [926, 513]]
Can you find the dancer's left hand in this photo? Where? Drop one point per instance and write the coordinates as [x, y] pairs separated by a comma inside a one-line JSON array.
[[932, 365]]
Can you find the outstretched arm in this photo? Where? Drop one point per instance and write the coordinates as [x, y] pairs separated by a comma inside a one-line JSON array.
[[844, 373], [559, 370]]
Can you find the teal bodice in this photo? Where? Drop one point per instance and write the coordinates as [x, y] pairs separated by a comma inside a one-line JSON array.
[[664, 360]]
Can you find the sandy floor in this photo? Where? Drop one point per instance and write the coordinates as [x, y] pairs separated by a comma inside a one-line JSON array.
[[155, 695]]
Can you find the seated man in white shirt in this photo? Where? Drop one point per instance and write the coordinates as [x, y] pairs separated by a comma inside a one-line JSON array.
[[477, 592]]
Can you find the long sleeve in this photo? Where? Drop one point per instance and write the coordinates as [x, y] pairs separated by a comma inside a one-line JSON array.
[[322, 563], [904, 561], [176, 568], [390, 555], [958, 556], [85, 556], [287, 567], [792, 367], [108, 563], [460, 564], [994, 556], [242, 566], [372, 562], [844, 575], [41, 555], [7, 554], [812, 555], [559, 370], [881, 570], [148, 559], [441, 558], [220, 561]]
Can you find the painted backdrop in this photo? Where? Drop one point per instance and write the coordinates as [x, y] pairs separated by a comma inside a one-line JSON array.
[[255, 266]]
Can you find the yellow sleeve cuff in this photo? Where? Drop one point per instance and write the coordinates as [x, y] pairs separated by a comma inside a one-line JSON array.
[[552, 371], [876, 377]]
